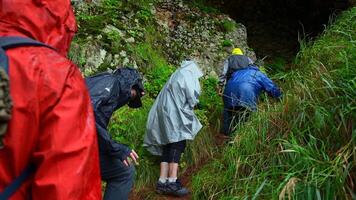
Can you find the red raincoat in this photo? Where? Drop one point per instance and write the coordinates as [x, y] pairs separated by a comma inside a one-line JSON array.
[[52, 122]]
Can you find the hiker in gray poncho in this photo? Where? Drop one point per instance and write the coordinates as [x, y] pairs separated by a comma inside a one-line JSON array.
[[171, 122]]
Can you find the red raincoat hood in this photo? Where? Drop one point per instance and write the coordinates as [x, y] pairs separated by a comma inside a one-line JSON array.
[[49, 21]]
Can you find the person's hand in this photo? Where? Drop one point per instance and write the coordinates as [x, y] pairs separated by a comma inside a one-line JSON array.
[[133, 156], [219, 90]]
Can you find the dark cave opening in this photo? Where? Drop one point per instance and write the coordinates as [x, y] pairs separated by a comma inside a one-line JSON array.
[[274, 27]]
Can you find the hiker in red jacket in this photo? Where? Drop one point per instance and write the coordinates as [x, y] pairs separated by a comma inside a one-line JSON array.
[[52, 127]]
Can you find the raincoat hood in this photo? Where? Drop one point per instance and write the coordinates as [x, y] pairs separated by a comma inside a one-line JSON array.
[[129, 78], [110, 91], [193, 67], [49, 21]]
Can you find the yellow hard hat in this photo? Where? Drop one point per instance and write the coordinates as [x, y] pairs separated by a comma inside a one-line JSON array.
[[237, 51]]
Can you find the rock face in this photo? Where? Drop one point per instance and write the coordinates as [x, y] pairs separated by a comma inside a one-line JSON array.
[[184, 32], [207, 38]]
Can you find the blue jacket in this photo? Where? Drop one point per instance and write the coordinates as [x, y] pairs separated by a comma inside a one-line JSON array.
[[245, 86]]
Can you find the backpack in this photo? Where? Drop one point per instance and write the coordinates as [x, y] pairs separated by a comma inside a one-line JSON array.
[[5, 98], [9, 42], [236, 62], [5, 103]]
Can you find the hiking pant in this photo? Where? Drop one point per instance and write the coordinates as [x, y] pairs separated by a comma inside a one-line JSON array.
[[118, 177], [232, 117], [173, 151]]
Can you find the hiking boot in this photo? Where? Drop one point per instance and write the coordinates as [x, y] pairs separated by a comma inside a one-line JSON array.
[[176, 189], [161, 187]]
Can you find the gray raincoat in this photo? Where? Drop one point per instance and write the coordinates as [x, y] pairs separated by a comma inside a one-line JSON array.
[[171, 118]]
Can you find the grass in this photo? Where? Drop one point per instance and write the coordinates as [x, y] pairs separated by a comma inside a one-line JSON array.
[[304, 147]]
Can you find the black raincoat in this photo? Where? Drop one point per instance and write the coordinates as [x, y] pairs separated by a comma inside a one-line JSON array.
[[109, 92]]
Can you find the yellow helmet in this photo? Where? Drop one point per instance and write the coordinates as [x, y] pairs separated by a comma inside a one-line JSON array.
[[237, 51]]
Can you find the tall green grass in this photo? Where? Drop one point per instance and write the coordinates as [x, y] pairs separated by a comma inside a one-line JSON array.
[[304, 147]]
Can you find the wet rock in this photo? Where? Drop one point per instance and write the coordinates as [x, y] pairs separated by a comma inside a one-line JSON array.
[[192, 32], [130, 40], [183, 32]]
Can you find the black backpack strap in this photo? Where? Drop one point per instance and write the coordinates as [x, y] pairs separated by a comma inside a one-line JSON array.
[[9, 42], [4, 63]]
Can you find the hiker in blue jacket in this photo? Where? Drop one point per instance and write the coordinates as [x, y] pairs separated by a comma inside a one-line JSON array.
[[241, 95]]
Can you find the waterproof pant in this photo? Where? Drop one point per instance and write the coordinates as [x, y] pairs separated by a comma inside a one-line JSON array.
[[118, 177], [232, 117]]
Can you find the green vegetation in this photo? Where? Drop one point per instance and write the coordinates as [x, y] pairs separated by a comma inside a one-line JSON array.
[[202, 5], [303, 148], [227, 43], [277, 64], [227, 26], [153, 64]]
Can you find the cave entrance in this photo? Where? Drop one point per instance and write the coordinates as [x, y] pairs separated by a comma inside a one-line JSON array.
[[274, 26]]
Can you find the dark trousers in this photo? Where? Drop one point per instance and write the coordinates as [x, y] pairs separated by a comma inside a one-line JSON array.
[[173, 151], [118, 177], [232, 117]]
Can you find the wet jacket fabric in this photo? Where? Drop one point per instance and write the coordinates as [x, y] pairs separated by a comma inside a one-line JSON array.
[[171, 118], [231, 64], [245, 86], [52, 123], [109, 92]]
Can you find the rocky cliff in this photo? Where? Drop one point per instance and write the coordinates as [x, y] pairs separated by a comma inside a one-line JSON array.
[[110, 32]]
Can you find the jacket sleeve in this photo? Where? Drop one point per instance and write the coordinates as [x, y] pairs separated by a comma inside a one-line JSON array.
[[110, 146], [222, 76], [268, 85], [66, 156]]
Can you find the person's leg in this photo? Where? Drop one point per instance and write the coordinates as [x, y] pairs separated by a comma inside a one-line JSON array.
[[163, 175], [174, 187], [235, 118], [175, 153], [227, 119], [164, 168], [245, 115], [118, 177], [173, 172], [242, 114], [164, 164]]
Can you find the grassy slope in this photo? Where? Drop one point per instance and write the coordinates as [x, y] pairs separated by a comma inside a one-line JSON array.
[[303, 148]]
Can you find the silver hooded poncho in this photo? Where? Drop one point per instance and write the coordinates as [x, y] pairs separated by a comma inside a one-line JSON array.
[[171, 118]]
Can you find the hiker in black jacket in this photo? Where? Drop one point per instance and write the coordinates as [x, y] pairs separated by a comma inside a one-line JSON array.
[[109, 92]]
